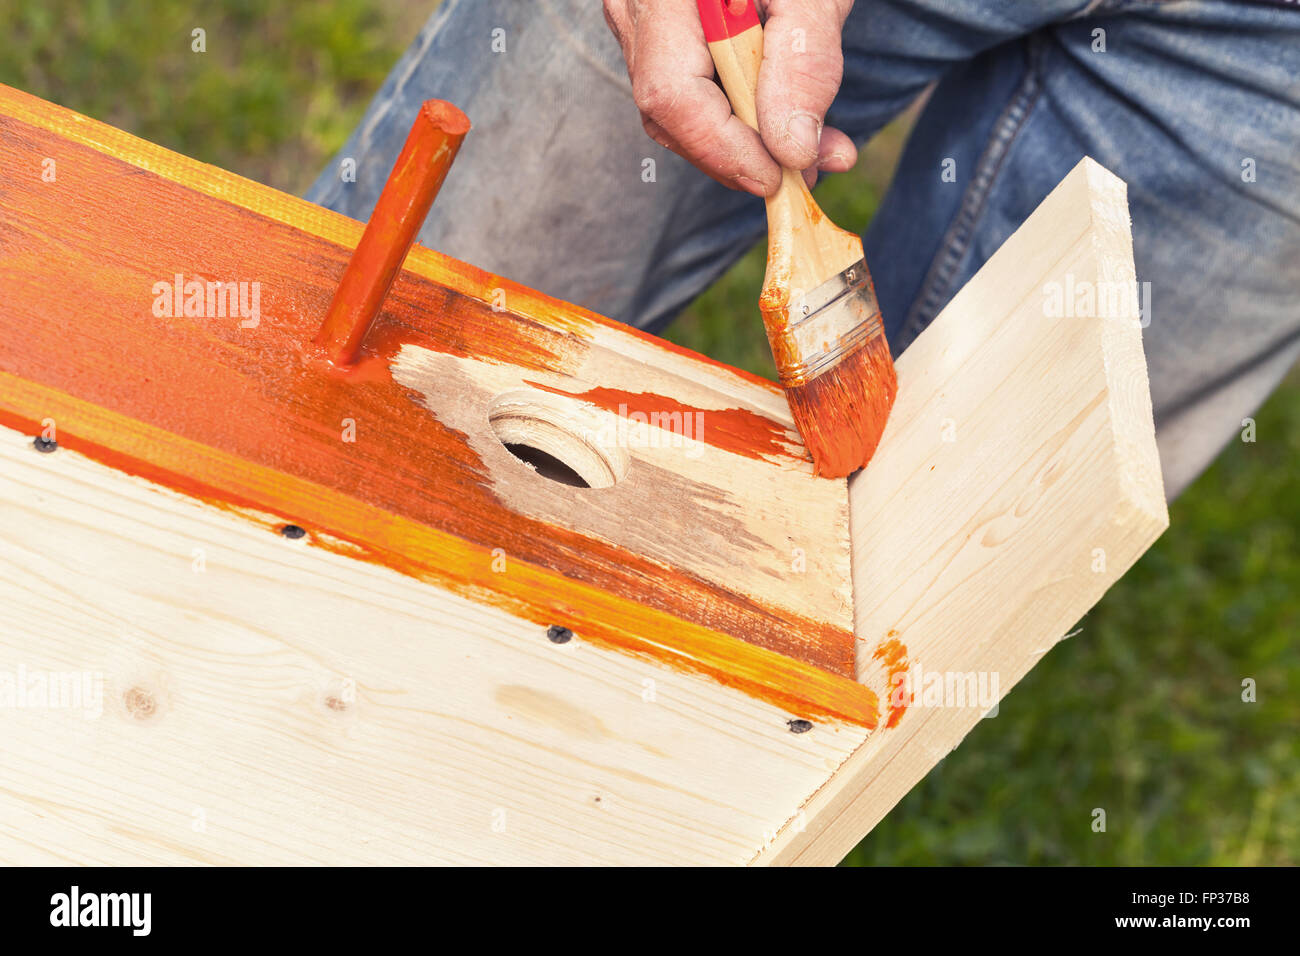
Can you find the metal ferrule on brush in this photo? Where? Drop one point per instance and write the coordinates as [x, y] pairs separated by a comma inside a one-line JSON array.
[[830, 323]]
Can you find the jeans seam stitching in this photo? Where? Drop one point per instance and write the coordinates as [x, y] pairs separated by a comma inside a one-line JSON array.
[[957, 239]]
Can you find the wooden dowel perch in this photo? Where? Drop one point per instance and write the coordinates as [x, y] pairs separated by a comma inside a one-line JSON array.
[[403, 205]]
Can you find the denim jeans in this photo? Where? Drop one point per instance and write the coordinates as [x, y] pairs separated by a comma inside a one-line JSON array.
[[1194, 103]]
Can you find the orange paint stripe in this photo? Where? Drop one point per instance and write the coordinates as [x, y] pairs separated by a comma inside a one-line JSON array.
[[534, 593], [737, 430]]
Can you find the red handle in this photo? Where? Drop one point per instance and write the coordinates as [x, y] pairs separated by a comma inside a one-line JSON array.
[[724, 19]]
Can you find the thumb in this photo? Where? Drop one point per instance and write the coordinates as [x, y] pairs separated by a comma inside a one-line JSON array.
[[802, 67]]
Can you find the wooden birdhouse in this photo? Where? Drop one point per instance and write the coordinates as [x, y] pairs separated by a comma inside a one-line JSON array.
[[520, 584]]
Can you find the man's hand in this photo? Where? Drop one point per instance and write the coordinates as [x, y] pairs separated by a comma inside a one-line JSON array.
[[683, 109]]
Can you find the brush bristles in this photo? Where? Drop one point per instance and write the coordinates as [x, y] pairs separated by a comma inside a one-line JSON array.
[[842, 412]]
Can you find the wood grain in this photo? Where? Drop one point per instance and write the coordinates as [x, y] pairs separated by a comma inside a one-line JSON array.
[[265, 701]]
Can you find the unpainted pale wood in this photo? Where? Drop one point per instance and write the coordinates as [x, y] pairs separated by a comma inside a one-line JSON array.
[[1017, 480], [265, 701]]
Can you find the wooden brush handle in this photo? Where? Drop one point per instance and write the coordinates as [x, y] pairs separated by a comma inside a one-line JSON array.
[[804, 247], [736, 43]]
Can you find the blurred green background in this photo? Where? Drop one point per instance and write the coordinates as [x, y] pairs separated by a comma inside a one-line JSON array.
[[1140, 713]]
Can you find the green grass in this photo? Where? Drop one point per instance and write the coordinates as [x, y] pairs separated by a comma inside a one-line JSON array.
[[280, 86], [1139, 714]]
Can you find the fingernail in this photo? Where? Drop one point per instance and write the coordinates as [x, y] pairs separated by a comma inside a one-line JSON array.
[[752, 185], [805, 132], [836, 157]]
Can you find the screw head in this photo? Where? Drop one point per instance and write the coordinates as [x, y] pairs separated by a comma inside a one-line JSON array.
[[799, 726], [558, 634]]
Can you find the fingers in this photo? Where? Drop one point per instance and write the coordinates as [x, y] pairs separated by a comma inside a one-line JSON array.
[[837, 154], [801, 72], [681, 107], [683, 110]]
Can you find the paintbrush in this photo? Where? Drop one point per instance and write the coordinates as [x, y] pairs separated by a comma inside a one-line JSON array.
[[818, 302]]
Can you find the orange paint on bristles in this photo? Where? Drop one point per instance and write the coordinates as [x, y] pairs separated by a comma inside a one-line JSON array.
[[831, 353], [841, 413], [417, 176]]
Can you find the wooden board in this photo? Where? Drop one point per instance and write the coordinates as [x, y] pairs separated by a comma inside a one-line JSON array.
[[1016, 481], [713, 549]]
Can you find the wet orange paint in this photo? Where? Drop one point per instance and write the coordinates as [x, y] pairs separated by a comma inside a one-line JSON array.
[[892, 653], [737, 430], [247, 416], [673, 347]]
